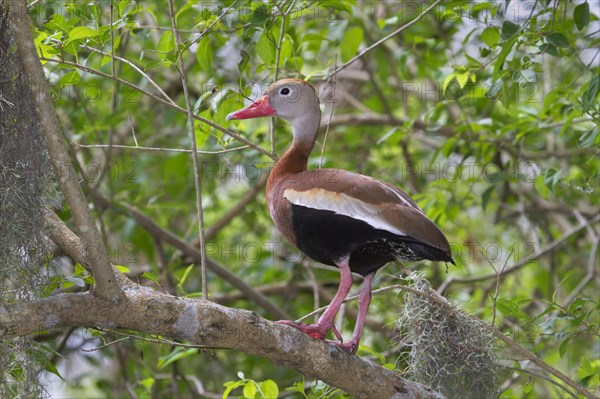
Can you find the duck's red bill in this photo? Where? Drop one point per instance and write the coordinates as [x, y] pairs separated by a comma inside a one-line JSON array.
[[258, 108]]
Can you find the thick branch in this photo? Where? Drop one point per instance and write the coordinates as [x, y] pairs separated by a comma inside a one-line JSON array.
[[105, 285], [205, 323]]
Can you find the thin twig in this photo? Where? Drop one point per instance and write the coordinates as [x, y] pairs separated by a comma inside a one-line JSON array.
[[192, 137], [132, 129], [106, 345], [548, 248], [32, 4], [543, 377], [163, 101], [135, 67], [277, 60], [328, 123], [209, 27], [161, 149], [386, 38], [497, 292]]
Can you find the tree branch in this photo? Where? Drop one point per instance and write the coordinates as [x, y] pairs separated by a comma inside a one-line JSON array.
[[528, 259], [205, 323], [165, 235], [192, 137], [163, 101], [105, 285]]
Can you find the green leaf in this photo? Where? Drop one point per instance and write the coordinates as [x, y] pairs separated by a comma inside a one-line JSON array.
[[204, 54], [587, 139], [286, 49], [250, 390], [260, 12], [298, 386], [525, 76], [494, 88], [541, 187], [176, 354], [81, 32], [150, 276], [490, 36], [447, 82], [231, 385], [51, 368], [485, 197], [588, 98], [462, 79], [294, 63], [509, 29], [69, 79], [269, 389], [506, 49], [350, 43], [166, 43], [557, 39], [551, 177], [265, 49], [562, 349], [244, 61], [549, 48], [57, 22], [581, 15], [511, 308], [473, 62], [76, 280], [147, 383], [184, 278], [122, 269], [183, 10], [586, 380]]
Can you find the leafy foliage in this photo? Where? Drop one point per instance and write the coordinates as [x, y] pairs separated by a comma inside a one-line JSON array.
[[486, 112]]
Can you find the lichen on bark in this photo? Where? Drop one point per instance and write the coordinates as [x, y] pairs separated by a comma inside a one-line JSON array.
[[25, 184]]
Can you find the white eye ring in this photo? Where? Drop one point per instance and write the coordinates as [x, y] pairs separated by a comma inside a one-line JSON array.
[[287, 91]]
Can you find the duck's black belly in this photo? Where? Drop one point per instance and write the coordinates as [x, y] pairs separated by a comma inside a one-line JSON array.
[[327, 237]]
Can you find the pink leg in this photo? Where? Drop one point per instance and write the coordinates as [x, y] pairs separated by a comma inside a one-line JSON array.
[[325, 323], [364, 298]]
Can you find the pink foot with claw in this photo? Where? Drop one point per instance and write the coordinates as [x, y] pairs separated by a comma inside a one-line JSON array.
[[319, 331], [316, 330], [351, 346], [321, 328]]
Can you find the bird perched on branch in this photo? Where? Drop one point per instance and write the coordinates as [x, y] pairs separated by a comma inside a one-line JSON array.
[[337, 217]]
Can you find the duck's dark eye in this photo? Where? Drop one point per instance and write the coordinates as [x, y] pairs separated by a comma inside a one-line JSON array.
[[285, 91]]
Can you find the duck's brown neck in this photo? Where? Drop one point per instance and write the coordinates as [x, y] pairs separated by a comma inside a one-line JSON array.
[[295, 159]]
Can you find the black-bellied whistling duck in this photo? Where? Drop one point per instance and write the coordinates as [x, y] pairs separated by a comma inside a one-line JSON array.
[[337, 217]]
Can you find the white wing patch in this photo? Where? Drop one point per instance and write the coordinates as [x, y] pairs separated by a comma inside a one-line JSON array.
[[341, 204]]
